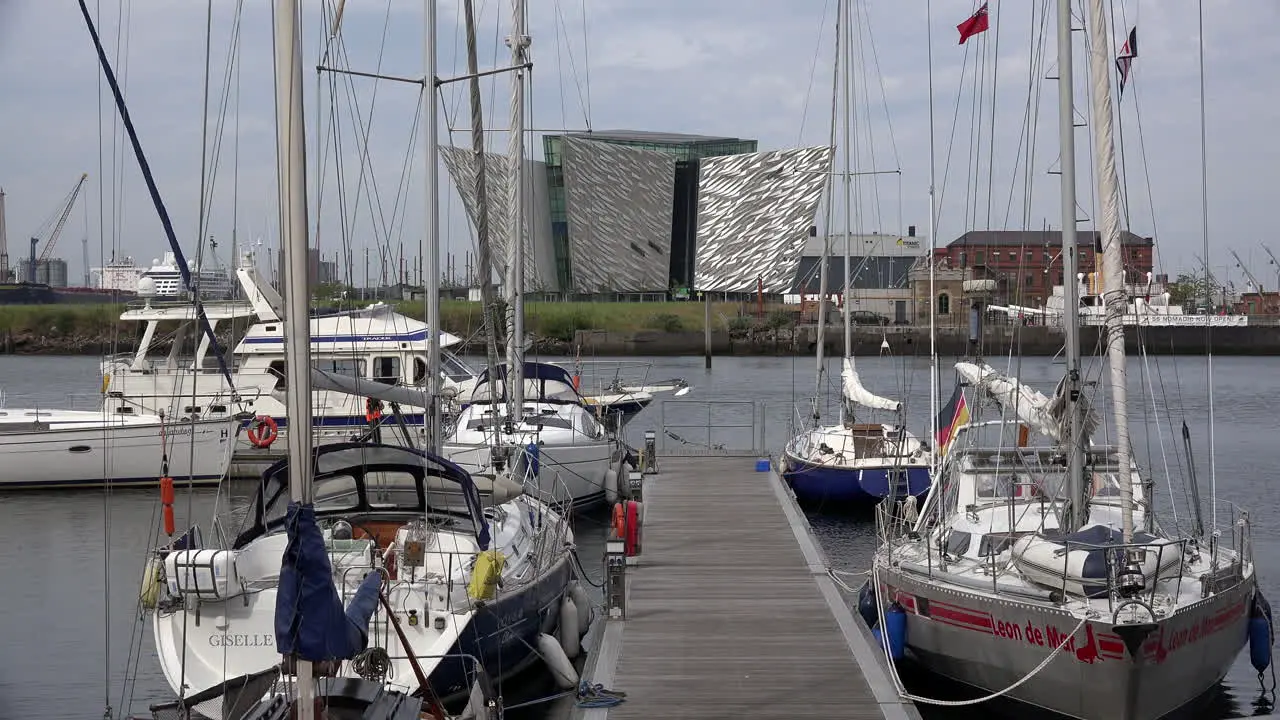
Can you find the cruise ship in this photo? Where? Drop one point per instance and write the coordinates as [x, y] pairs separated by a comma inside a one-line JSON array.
[[164, 278]]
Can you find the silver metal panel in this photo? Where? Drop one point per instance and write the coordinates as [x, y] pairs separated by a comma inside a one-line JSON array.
[[619, 203], [754, 215], [460, 163]]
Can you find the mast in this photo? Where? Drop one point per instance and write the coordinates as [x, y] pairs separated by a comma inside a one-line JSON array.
[[823, 267], [1113, 264], [933, 244], [291, 175], [1075, 512], [518, 41], [848, 191], [484, 255], [431, 238]]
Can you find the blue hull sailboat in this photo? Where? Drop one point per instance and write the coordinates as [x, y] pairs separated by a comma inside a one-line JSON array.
[[857, 462]]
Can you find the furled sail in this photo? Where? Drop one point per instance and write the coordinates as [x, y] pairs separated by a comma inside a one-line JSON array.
[[1029, 404], [855, 393]]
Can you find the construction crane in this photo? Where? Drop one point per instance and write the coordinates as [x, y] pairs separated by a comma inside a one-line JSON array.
[[52, 236], [1257, 286]]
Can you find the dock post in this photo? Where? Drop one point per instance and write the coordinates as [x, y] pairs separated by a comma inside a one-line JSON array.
[[615, 578], [650, 464], [706, 327], [635, 482]]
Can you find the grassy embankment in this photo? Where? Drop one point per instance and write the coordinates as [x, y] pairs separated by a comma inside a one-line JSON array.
[[96, 324]]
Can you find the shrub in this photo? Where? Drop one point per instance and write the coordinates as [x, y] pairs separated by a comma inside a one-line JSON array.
[[666, 322], [778, 319]]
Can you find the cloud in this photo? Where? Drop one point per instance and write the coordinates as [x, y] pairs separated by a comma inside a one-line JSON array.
[[750, 68]]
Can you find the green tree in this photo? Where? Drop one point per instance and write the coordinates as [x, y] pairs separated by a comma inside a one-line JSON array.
[[1189, 289]]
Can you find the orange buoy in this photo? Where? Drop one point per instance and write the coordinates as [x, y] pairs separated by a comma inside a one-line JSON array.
[[263, 431], [166, 499]]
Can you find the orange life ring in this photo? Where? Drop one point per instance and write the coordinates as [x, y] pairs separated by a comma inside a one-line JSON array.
[[626, 525], [372, 410], [263, 431]]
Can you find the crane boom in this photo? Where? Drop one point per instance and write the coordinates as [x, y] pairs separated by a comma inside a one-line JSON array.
[[1257, 286], [62, 219]]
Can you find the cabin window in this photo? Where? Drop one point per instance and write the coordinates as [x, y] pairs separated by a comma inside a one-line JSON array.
[[277, 368], [350, 367], [419, 370], [996, 486], [338, 492], [386, 369], [944, 304], [958, 542], [455, 368]]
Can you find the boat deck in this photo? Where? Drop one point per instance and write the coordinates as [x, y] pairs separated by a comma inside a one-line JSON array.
[[730, 612]]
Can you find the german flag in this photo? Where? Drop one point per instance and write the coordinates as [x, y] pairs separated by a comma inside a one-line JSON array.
[[953, 416]]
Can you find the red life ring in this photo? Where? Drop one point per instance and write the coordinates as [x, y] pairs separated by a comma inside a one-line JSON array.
[[626, 525], [263, 431]]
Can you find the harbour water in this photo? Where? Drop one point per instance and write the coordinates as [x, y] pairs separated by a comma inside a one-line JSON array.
[[70, 636]]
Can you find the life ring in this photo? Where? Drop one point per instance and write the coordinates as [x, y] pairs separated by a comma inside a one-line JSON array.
[[263, 431], [626, 525], [372, 410]]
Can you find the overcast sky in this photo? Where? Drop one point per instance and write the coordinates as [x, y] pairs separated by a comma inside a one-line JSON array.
[[746, 68]]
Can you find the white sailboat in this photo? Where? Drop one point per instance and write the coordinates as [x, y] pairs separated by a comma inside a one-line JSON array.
[[520, 406], [851, 461], [438, 603], [1038, 570], [50, 449]]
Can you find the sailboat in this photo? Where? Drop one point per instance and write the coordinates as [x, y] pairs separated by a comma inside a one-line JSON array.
[[1037, 569], [439, 605], [852, 461], [520, 406]]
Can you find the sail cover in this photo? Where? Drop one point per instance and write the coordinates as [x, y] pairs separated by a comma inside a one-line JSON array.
[[1029, 404], [854, 392], [310, 619]]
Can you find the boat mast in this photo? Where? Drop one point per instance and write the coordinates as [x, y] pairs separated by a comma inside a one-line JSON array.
[[933, 244], [848, 191], [484, 254], [518, 41], [823, 267], [1075, 511], [431, 237], [291, 167], [1113, 264]]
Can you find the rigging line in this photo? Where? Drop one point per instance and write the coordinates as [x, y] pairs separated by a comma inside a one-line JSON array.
[[1204, 229], [559, 40], [951, 141], [154, 191], [204, 125], [871, 143], [106, 486], [220, 132], [813, 71], [586, 61], [1124, 175], [573, 65], [995, 95], [1026, 134]]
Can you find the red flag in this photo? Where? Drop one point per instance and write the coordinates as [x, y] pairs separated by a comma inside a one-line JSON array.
[[978, 23]]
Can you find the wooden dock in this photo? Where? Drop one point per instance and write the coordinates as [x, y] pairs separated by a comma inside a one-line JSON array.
[[729, 611]]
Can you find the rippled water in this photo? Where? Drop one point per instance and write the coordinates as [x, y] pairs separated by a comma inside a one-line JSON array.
[[60, 588]]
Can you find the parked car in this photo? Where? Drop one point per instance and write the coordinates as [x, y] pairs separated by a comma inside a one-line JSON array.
[[866, 317]]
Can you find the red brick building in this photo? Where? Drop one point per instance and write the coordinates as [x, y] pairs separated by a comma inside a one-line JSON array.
[[1030, 261]]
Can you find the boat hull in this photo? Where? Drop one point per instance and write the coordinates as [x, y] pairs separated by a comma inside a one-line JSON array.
[[992, 644], [503, 635], [813, 482], [571, 474], [118, 454]]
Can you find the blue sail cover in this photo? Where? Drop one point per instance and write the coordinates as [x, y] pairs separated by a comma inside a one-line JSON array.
[[310, 619]]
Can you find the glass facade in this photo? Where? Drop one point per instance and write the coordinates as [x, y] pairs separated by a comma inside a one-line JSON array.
[[687, 150]]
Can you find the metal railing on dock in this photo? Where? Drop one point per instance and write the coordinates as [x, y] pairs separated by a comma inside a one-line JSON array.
[[692, 428]]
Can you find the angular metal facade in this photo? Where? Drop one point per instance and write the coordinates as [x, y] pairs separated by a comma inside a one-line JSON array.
[[754, 215], [619, 205], [539, 270]]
